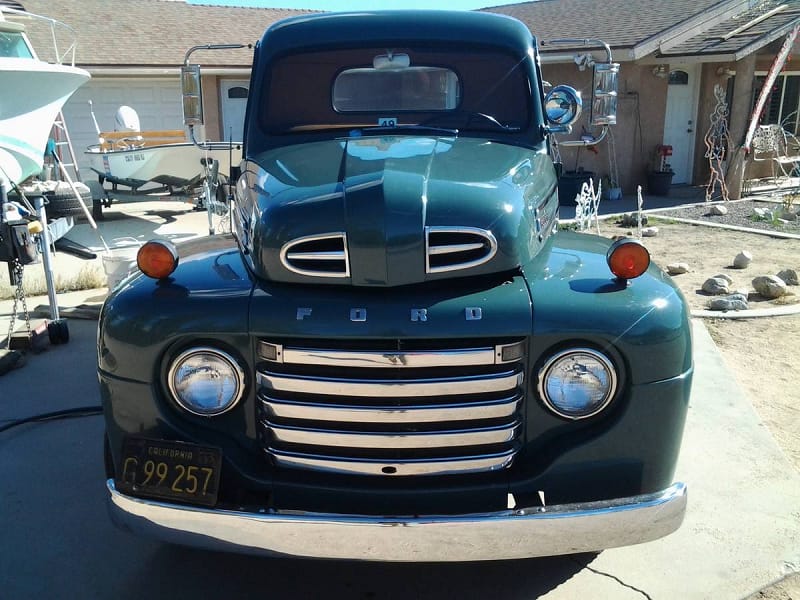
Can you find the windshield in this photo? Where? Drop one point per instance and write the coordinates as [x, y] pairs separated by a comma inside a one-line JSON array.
[[475, 90], [12, 45]]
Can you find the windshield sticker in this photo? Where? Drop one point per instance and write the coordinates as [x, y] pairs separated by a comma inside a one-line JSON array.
[[387, 122]]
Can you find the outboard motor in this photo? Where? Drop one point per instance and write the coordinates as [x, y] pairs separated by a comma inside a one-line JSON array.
[[126, 119]]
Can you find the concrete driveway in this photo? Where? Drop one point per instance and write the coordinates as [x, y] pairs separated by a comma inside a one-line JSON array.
[[741, 533]]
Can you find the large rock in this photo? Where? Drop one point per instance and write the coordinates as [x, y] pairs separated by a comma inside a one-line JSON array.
[[716, 286], [677, 268], [630, 220], [742, 260], [724, 276], [650, 232], [769, 286], [732, 302], [789, 276], [718, 210]]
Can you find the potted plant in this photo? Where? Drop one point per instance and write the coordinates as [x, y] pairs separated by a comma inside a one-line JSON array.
[[611, 189], [659, 180]]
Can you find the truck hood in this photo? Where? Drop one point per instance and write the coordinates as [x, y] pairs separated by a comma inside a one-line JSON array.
[[390, 211]]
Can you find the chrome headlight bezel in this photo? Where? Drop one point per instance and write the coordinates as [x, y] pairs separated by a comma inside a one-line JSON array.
[[226, 360], [591, 355]]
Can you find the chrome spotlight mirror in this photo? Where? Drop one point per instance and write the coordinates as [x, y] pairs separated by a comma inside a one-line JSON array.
[[563, 105], [604, 94], [192, 94]]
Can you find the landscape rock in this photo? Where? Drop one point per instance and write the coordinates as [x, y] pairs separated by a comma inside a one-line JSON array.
[[742, 260], [731, 302], [724, 276], [789, 276], [769, 286], [630, 220], [718, 210], [677, 268], [650, 232], [762, 213], [716, 286]]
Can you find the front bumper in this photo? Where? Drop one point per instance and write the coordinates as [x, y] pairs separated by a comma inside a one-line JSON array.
[[509, 534]]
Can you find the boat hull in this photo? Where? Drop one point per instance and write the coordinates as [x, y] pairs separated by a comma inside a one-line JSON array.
[[176, 165], [31, 95]]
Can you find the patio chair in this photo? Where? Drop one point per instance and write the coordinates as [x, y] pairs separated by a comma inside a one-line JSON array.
[[781, 149]]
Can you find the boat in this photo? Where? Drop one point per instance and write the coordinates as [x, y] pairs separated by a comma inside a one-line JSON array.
[[133, 158], [32, 91]]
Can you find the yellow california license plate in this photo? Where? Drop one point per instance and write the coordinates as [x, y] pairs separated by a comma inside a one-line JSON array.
[[170, 470]]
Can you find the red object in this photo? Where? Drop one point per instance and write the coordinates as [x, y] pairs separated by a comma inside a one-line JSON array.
[[665, 150]]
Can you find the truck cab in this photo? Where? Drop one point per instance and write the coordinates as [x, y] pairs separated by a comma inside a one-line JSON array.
[[397, 354]]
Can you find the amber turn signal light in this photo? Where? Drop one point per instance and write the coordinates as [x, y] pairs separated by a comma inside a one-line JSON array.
[[157, 259], [627, 258]]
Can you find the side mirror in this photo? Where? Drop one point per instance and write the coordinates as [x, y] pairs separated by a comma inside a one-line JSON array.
[[604, 94], [192, 94], [563, 106]]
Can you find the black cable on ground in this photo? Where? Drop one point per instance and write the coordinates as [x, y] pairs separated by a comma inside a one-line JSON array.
[[71, 413]]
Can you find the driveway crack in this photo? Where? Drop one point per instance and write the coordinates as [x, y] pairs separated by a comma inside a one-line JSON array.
[[618, 580]]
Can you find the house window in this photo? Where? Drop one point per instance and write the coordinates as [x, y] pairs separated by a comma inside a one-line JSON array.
[[678, 78], [783, 102], [237, 92]]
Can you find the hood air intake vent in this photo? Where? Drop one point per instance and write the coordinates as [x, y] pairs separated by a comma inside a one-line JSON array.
[[317, 255], [454, 248]]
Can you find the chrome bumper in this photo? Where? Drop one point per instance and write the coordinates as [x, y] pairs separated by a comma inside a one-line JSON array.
[[510, 534]]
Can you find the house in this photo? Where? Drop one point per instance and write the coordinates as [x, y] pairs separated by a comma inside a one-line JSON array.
[[672, 53]]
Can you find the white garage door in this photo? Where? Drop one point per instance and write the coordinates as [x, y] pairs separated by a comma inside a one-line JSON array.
[[157, 102]]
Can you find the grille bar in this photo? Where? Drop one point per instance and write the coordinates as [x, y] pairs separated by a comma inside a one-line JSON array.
[[393, 388], [393, 441], [415, 413], [444, 466]]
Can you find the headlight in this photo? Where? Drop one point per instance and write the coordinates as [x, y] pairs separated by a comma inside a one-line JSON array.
[[206, 381], [577, 383]]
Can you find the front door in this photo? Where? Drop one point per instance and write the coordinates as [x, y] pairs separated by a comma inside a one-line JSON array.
[[680, 123], [234, 103]]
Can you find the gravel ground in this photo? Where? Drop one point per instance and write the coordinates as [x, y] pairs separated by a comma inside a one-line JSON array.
[[741, 213]]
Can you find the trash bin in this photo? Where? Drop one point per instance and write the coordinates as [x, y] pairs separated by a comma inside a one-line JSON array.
[[659, 182], [569, 186]]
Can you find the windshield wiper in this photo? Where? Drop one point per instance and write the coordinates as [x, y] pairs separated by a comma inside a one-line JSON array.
[[404, 128], [469, 117]]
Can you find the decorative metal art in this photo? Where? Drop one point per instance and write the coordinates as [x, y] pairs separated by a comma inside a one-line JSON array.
[[718, 141], [639, 206], [587, 204]]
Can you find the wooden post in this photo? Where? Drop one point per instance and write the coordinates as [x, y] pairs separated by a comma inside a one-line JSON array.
[[740, 117]]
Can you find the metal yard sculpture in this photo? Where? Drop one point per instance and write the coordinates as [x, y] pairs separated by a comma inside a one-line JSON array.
[[717, 140]]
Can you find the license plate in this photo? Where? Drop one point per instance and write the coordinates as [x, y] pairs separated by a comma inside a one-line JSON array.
[[170, 470]]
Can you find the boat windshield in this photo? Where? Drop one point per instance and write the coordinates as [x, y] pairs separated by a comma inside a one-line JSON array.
[[13, 45]]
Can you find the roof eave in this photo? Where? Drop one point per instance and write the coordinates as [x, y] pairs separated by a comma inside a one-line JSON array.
[[684, 31], [739, 54]]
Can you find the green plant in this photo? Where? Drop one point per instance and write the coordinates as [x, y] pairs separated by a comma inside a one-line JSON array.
[[788, 200]]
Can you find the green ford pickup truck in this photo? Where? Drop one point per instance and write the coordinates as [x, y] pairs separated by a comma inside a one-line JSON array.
[[396, 354]]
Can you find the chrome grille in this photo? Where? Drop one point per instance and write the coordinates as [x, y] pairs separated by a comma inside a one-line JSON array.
[[317, 255], [391, 412], [454, 248]]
